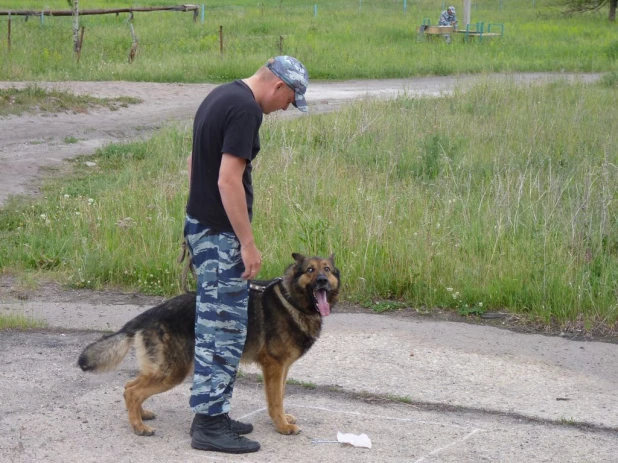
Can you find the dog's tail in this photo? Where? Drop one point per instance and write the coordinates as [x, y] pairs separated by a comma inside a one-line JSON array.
[[106, 353]]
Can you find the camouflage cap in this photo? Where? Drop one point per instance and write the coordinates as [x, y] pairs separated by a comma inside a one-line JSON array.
[[293, 73], [451, 8]]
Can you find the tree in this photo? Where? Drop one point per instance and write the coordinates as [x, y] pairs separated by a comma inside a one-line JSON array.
[[582, 6]]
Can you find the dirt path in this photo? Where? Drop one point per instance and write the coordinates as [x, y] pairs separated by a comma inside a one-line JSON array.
[[32, 142]]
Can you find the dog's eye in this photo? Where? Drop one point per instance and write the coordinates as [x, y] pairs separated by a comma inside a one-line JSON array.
[[327, 269], [310, 270]]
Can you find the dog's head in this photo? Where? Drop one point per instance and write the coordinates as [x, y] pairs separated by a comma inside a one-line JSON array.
[[315, 281]]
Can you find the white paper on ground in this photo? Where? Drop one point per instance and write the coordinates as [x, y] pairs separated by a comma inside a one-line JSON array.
[[354, 439]]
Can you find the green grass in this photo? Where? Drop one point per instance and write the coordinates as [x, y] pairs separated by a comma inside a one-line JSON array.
[[385, 306], [305, 384], [378, 40], [401, 399], [19, 322], [33, 98], [500, 197]]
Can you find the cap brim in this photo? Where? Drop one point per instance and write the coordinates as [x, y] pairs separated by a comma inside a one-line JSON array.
[[300, 102]]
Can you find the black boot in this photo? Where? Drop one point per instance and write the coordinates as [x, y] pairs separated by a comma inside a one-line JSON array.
[[235, 426], [213, 433]]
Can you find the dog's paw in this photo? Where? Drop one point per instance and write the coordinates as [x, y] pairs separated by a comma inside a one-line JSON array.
[[290, 418], [143, 430], [289, 429]]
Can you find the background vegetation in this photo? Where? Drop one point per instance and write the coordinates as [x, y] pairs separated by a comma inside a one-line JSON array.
[[346, 39], [500, 197]]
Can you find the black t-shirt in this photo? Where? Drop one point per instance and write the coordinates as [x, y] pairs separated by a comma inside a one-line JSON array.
[[227, 121]]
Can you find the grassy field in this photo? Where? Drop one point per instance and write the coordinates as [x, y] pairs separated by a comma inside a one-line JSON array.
[[346, 39], [502, 197]]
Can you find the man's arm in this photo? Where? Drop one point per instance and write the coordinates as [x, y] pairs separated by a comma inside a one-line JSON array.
[[235, 204]]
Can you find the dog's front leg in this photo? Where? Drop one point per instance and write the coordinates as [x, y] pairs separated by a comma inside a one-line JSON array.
[[290, 418], [274, 383]]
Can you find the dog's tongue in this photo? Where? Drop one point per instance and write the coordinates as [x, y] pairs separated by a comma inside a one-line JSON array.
[[323, 305]]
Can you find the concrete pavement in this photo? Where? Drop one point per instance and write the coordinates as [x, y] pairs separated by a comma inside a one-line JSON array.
[[422, 390]]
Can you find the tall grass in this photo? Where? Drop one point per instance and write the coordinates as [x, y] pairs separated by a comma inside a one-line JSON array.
[[347, 39], [500, 197]]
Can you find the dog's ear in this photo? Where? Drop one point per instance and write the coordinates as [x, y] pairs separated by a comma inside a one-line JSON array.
[[332, 258], [298, 257]]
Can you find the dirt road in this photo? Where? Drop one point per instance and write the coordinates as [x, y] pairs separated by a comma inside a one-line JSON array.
[[32, 142]]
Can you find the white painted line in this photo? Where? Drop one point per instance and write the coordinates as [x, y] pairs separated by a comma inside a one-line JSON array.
[[255, 412], [458, 441], [408, 420]]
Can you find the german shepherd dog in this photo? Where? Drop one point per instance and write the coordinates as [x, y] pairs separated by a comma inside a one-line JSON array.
[[285, 319]]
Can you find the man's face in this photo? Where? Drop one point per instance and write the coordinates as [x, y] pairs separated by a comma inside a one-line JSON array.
[[450, 11], [280, 98]]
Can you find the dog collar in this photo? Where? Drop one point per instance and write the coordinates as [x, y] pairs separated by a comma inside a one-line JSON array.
[[261, 287]]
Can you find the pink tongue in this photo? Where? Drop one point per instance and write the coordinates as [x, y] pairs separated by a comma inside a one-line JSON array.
[[322, 303]]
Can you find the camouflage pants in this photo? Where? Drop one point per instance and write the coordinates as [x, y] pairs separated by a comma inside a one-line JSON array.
[[221, 316]]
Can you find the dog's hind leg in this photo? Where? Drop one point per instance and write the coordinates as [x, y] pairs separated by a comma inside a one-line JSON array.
[[274, 381], [145, 414], [140, 389]]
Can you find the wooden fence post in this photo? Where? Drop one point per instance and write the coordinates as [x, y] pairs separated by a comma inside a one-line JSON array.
[[79, 47], [9, 36], [134, 45], [221, 40], [75, 25]]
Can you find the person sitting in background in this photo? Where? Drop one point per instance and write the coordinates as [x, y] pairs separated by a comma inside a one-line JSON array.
[[448, 18]]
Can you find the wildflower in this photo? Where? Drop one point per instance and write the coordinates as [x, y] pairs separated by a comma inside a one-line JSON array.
[[126, 222], [66, 196]]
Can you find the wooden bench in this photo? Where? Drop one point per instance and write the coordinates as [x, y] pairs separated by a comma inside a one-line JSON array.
[[479, 31], [435, 30], [471, 30]]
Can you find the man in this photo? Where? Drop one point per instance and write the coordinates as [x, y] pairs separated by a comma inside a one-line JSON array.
[[448, 18], [219, 234]]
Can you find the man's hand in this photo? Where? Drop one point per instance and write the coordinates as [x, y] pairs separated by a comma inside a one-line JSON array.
[[252, 259]]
